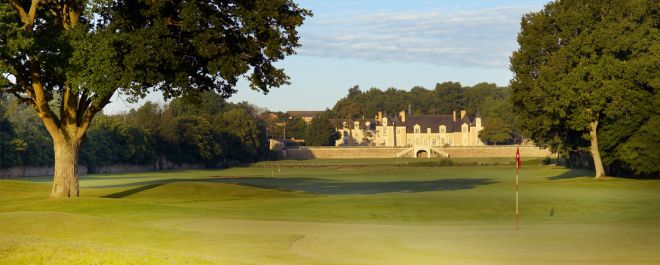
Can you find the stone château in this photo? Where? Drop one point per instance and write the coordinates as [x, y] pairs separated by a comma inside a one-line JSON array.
[[405, 130]]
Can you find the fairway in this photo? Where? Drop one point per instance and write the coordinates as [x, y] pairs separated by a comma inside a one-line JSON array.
[[334, 212]]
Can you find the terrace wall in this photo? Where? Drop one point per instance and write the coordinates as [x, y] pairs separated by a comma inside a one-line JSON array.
[[31, 171], [383, 152]]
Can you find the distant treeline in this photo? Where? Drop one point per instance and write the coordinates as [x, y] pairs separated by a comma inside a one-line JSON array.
[[206, 131], [487, 98]]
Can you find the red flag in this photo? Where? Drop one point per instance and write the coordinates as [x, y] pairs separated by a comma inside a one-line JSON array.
[[517, 159]]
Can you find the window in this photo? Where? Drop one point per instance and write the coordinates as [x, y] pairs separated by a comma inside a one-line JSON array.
[[433, 142], [417, 128], [464, 128], [428, 130], [426, 141], [443, 129], [442, 141]]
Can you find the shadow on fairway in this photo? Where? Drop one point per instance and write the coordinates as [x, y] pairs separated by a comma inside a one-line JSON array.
[[320, 186], [125, 193], [571, 174]]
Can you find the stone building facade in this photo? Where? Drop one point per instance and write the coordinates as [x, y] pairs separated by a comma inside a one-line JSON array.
[[405, 130]]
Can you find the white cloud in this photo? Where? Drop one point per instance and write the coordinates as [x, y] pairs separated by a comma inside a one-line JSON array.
[[479, 38]]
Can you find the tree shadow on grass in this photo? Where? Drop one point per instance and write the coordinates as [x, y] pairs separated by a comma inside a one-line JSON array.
[[571, 174], [320, 186], [337, 187], [125, 193]]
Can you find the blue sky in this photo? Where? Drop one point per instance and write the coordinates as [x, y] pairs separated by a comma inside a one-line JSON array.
[[387, 43]]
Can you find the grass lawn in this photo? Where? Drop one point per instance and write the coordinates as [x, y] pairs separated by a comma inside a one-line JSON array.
[[335, 212]]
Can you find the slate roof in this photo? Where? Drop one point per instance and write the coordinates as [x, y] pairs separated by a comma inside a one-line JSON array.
[[434, 122], [339, 123]]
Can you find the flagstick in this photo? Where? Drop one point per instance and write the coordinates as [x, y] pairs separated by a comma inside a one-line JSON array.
[[517, 213]]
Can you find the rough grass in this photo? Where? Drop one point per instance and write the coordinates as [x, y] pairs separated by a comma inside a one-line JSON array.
[[345, 212]]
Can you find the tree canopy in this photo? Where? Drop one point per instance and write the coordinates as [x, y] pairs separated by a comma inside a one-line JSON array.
[[321, 131], [586, 79], [81, 52]]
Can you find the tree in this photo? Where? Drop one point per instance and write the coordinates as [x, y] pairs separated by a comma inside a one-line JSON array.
[[296, 128], [85, 51], [113, 141], [321, 132], [496, 131], [581, 66], [241, 139], [147, 117], [8, 155], [194, 140]]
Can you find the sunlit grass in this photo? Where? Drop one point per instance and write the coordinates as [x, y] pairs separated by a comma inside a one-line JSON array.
[[344, 212]]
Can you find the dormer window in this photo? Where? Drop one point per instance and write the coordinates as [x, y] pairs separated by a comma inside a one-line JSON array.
[[443, 129], [464, 128], [428, 130], [417, 128]]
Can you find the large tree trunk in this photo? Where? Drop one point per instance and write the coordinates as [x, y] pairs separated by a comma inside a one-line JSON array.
[[598, 164], [65, 179]]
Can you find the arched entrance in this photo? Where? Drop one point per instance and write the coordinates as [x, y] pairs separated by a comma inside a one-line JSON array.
[[422, 154]]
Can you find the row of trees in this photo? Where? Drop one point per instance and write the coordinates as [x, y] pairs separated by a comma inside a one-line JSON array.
[[206, 131], [321, 131], [491, 101]]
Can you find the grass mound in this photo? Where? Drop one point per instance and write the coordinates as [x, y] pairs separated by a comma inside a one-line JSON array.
[[201, 191]]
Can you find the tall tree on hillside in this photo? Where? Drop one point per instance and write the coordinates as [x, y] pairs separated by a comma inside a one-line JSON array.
[[84, 51], [581, 66], [321, 132]]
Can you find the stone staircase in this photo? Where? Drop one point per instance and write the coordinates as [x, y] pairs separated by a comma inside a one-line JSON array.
[[440, 152], [400, 154]]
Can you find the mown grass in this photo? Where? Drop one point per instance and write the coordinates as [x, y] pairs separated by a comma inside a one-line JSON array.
[[344, 212]]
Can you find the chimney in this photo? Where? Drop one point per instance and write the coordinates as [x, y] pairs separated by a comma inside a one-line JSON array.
[[462, 114], [380, 116], [402, 115], [454, 116]]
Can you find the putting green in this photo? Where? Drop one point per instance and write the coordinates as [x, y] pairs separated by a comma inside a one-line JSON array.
[[348, 213]]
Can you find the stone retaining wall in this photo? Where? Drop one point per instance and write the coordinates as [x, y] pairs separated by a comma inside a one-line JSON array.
[[380, 152], [30, 171], [341, 152], [497, 151]]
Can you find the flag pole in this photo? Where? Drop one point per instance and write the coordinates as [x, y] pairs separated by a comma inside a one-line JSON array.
[[517, 213], [517, 187]]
